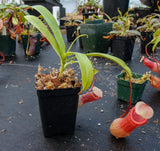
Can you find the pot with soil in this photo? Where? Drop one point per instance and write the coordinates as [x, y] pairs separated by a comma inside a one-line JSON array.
[[58, 101], [62, 84], [139, 82], [31, 44], [7, 46], [147, 26]]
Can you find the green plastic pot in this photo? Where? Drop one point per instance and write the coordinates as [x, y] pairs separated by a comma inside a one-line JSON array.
[[7, 45], [25, 41], [95, 31], [123, 88]]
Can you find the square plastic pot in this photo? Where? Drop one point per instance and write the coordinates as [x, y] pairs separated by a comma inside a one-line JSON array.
[[25, 42], [70, 30], [58, 110], [95, 31], [123, 88], [7, 45], [147, 37], [122, 47]]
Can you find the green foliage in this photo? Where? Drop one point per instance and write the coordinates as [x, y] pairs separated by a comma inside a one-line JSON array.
[[122, 24], [149, 23], [10, 16], [156, 39], [68, 57], [72, 22]]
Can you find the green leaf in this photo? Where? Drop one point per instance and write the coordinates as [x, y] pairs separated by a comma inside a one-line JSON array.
[[155, 41], [14, 20], [53, 26], [3, 6], [44, 30], [87, 70], [114, 59]]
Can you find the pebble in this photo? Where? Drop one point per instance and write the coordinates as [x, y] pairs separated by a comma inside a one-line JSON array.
[[99, 124], [4, 130], [30, 114], [143, 132], [102, 111]]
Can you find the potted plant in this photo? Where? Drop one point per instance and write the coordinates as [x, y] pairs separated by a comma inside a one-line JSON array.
[[31, 41], [58, 91], [122, 37], [9, 18], [71, 28], [151, 62], [147, 25], [139, 82]]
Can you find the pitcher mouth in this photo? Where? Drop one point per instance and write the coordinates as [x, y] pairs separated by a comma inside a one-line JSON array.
[[137, 119]]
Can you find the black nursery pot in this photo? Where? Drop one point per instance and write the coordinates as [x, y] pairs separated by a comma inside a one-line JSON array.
[[147, 37], [7, 45], [122, 47], [25, 42], [110, 7], [71, 33], [58, 110]]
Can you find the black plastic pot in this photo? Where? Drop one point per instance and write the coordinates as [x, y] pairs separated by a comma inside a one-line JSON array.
[[110, 7], [142, 12], [58, 110], [7, 45], [122, 47], [95, 31], [70, 30], [147, 37], [25, 42]]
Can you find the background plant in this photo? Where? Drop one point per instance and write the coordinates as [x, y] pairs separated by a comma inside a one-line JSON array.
[[122, 25], [149, 23], [10, 17]]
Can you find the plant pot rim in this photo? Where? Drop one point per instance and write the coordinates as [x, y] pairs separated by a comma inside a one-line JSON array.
[[133, 73]]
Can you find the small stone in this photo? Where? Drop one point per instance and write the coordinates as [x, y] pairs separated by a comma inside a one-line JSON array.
[[121, 106], [143, 132], [30, 114], [11, 62], [21, 101], [102, 111], [9, 118], [82, 145], [99, 124], [4, 130], [89, 119], [156, 121], [95, 108]]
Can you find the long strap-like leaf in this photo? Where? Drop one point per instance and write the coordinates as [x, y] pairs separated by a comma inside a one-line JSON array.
[[87, 70], [53, 25], [114, 59], [44, 30]]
